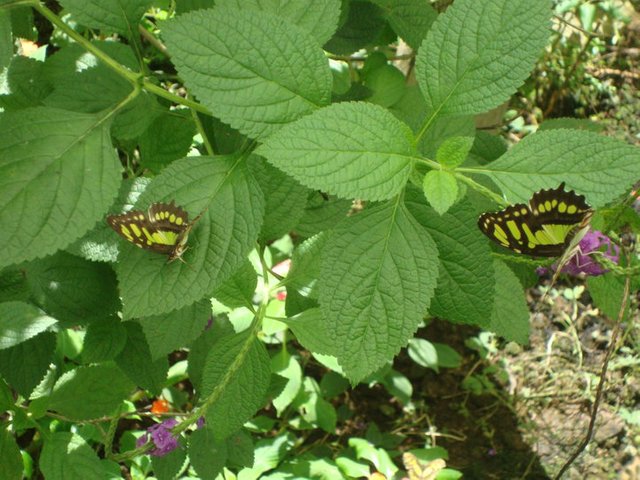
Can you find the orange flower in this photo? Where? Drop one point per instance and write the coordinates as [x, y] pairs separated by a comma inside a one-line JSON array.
[[160, 406]]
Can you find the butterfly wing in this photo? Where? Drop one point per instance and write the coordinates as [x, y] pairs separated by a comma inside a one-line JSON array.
[[546, 227]]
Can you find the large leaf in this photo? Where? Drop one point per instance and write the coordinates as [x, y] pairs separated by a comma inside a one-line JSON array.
[[104, 340], [10, 458], [255, 72], [218, 243], [89, 392], [20, 321], [318, 17], [207, 455], [598, 167], [378, 275], [410, 19], [6, 39], [67, 456], [120, 16], [350, 149], [74, 290], [171, 331], [510, 315], [467, 64], [237, 369], [466, 283], [25, 365], [58, 175]]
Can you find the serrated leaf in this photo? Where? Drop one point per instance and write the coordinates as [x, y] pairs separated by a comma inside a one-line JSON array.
[[452, 152], [256, 72], [312, 331], [13, 285], [386, 84], [6, 39], [199, 350], [171, 331], [176, 129], [349, 149], [600, 168], [566, 122], [607, 291], [488, 147], [379, 272], [136, 362], [67, 456], [208, 456], [360, 25], [120, 16], [238, 290], [169, 466], [104, 340], [244, 358], [466, 64], [218, 244], [26, 86], [25, 365], [444, 128], [10, 457], [285, 199], [89, 392], [305, 265], [318, 17], [321, 213], [465, 283], [410, 19], [510, 315], [58, 175], [20, 321], [240, 450], [72, 289], [287, 366], [441, 189]]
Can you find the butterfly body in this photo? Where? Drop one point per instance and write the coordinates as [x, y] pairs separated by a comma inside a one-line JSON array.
[[163, 229], [551, 224]]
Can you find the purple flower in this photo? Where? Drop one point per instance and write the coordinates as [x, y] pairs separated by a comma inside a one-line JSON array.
[[161, 437], [200, 422], [594, 243]]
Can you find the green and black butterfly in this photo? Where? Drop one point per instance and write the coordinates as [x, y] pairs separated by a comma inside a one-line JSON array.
[[163, 229], [551, 225]]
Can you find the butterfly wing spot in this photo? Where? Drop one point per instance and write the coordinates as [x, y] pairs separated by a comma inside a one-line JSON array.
[[571, 209], [126, 233], [179, 221], [562, 207], [513, 228]]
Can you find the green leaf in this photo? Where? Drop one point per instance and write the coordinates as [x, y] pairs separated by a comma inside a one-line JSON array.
[[10, 457], [120, 16], [219, 329], [387, 84], [452, 152], [321, 214], [601, 168], [6, 39], [510, 315], [410, 19], [104, 340], [268, 455], [423, 352], [67, 456], [566, 122], [441, 189], [285, 199], [132, 121], [27, 88], [465, 283], [240, 450], [607, 291], [488, 147], [188, 5], [447, 356], [256, 72], [176, 129], [171, 331], [13, 285], [349, 149], [305, 265], [398, 385], [59, 171], [169, 466], [312, 331], [286, 365], [318, 17], [136, 362], [362, 25], [218, 244], [244, 358], [74, 290], [208, 456], [89, 392], [466, 63], [442, 130], [238, 290], [20, 321], [378, 275], [26, 364]]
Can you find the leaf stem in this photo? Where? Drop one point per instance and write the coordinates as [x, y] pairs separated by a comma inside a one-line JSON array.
[[482, 189]]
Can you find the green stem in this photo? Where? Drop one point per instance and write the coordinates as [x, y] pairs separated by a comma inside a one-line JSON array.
[[203, 134], [482, 189]]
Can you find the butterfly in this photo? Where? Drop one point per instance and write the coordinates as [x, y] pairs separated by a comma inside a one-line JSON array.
[[163, 229], [551, 225], [419, 471]]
